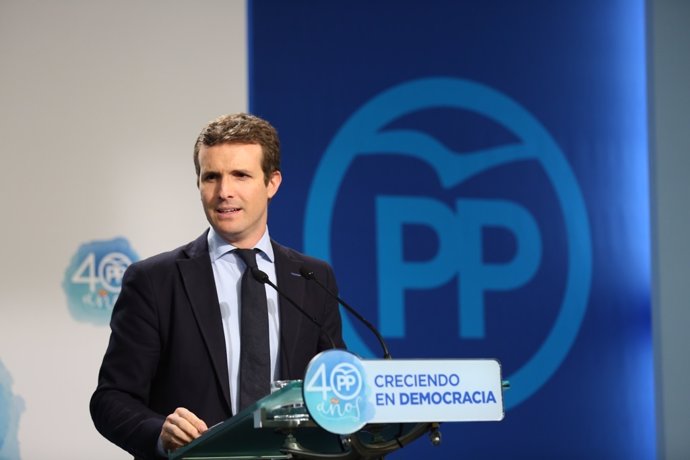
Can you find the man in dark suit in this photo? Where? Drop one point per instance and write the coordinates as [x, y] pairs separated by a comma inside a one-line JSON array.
[[171, 368]]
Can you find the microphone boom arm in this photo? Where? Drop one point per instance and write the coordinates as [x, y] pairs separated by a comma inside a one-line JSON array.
[[262, 277], [309, 275]]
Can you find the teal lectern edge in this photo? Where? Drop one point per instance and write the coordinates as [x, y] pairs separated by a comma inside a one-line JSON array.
[[279, 427], [262, 430]]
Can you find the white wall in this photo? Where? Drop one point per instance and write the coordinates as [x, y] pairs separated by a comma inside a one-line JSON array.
[[670, 133], [100, 105]]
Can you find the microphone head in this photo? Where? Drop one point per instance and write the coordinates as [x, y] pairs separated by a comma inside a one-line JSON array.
[[306, 273], [258, 275]]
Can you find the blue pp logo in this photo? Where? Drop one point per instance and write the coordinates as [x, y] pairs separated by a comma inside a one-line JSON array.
[[459, 227], [93, 279], [346, 381]]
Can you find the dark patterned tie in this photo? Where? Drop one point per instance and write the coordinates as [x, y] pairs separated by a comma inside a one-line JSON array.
[[255, 361]]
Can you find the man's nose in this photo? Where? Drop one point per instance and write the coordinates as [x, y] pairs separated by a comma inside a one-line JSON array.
[[225, 187]]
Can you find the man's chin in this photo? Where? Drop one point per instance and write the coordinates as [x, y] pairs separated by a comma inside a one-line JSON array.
[[224, 229], [228, 235]]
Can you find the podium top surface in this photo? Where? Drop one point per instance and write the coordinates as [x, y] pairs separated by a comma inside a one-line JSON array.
[[262, 430]]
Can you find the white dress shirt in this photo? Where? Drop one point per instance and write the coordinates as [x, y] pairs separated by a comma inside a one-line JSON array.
[[227, 272]]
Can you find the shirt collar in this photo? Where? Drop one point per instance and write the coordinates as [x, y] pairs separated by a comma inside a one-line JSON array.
[[218, 247]]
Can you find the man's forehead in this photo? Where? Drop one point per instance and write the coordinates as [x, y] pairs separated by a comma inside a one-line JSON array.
[[217, 154]]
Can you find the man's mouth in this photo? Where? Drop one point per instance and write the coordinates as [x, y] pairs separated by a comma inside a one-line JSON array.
[[227, 210]]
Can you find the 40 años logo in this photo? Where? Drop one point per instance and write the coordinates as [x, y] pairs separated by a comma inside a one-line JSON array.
[[335, 392], [93, 279]]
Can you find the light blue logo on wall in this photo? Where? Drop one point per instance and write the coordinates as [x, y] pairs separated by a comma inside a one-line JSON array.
[[11, 407], [335, 392], [459, 228], [93, 279]]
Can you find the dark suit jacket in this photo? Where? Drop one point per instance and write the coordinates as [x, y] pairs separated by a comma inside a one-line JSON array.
[[167, 347]]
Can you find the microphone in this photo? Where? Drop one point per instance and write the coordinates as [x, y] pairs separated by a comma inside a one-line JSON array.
[[262, 278], [309, 275]]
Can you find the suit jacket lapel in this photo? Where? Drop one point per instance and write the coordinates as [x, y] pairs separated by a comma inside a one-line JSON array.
[[197, 277], [291, 320]]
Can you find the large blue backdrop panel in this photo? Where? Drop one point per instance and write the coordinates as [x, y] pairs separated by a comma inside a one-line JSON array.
[[476, 172]]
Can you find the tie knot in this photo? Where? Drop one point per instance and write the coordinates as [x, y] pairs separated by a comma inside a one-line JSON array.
[[248, 256]]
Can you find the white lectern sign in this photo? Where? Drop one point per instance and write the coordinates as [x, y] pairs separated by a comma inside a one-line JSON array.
[[343, 393]]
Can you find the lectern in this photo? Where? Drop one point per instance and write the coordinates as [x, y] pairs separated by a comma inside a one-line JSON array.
[[352, 409]]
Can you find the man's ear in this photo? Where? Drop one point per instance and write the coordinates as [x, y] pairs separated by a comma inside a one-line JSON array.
[[274, 183]]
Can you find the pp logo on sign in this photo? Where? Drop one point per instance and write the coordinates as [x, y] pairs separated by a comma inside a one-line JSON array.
[[93, 279], [346, 381], [459, 227], [334, 392]]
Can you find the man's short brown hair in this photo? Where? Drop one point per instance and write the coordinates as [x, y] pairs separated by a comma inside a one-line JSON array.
[[242, 128]]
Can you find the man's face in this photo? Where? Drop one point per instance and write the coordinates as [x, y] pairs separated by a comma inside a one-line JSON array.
[[234, 193]]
